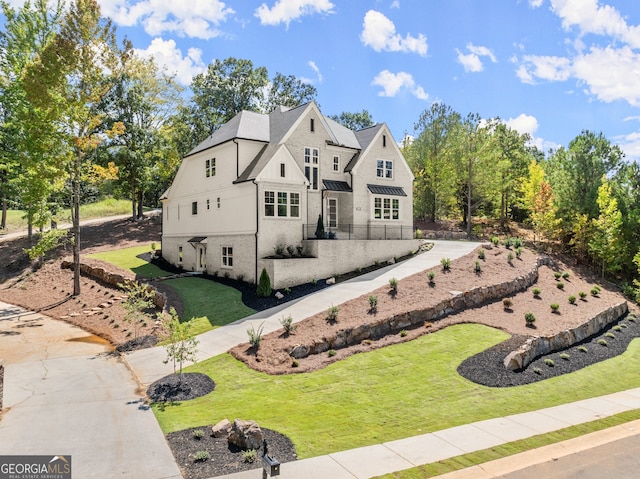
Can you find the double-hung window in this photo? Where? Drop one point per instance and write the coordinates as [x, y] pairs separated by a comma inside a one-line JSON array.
[[336, 163], [227, 256], [282, 203], [210, 167], [384, 169], [288, 204], [269, 203], [386, 208], [311, 161], [294, 205]]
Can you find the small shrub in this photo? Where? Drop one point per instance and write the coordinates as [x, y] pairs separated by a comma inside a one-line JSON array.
[[331, 353], [565, 356], [510, 257], [201, 456], [632, 317], [557, 274], [560, 285], [314, 281], [288, 325], [264, 284], [373, 302], [555, 307], [279, 249], [537, 370], [255, 335], [403, 333], [249, 456], [602, 342], [393, 284], [536, 292], [507, 303], [332, 313], [565, 275], [291, 250], [299, 249], [198, 433], [549, 362], [481, 254], [617, 327], [446, 264], [478, 267], [287, 290], [295, 363], [623, 325], [495, 241], [508, 243], [582, 295], [154, 246], [418, 234], [572, 299], [610, 335], [595, 291], [518, 243], [583, 349], [518, 252], [530, 318], [431, 275]]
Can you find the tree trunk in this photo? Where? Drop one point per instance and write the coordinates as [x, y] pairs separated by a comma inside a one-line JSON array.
[[75, 217], [140, 205], [133, 199], [3, 222], [469, 199]]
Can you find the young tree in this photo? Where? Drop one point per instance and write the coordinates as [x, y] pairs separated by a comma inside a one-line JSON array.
[[539, 201], [139, 300], [606, 243], [181, 344], [71, 79]]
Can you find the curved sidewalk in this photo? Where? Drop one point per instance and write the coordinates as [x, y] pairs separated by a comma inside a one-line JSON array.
[[148, 364]]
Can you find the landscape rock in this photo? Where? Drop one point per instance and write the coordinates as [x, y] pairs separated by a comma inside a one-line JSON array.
[[279, 295], [331, 281], [246, 435], [221, 429]]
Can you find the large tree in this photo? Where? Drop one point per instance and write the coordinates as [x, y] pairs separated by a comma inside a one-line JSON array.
[[432, 158], [607, 244], [71, 79], [354, 120]]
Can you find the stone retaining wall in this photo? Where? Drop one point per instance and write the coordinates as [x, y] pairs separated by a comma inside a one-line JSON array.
[[381, 327], [539, 346], [114, 279]]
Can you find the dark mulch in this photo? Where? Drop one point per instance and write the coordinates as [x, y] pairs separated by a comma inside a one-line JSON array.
[[142, 342], [224, 459], [487, 367], [172, 388]]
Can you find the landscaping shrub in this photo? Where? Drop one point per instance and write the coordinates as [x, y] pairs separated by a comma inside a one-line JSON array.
[[572, 299], [507, 303], [373, 302], [201, 456], [602, 342], [565, 356], [393, 284], [583, 349], [198, 433], [320, 228], [529, 318], [331, 353], [403, 333], [582, 295], [287, 324], [431, 275], [565, 275], [510, 258], [249, 456], [495, 241], [518, 252], [549, 362], [446, 264], [291, 250], [332, 313], [536, 292], [264, 284], [478, 267], [560, 285], [595, 291], [557, 274], [481, 254], [255, 335], [555, 307]]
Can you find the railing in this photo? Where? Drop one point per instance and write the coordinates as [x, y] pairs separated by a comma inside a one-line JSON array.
[[348, 231]]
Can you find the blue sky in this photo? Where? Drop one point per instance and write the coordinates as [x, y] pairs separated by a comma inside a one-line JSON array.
[[550, 68]]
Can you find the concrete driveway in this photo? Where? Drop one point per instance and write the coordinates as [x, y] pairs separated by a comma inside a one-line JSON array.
[[64, 393]]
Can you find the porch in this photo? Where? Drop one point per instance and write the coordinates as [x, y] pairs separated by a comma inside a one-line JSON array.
[[349, 231]]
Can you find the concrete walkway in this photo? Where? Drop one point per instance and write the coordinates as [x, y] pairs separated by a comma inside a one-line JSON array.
[[64, 393], [372, 461], [148, 363]]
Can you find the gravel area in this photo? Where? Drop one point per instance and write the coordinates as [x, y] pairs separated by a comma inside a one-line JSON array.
[[487, 367]]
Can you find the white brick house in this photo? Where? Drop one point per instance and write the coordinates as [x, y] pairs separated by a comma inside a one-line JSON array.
[[263, 180]]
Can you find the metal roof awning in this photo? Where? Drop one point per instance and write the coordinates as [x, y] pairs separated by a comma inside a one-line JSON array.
[[198, 239], [387, 190], [332, 185]]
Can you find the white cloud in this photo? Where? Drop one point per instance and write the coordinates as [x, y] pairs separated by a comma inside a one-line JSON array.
[[392, 83], [395, 4], [590, 17], [535, 3], [471, 61], [283, 11], [523, 123], [196, 18], [630, 145], [545, 68], [379, 33], [168, 56], [610, 74], [315, 68]]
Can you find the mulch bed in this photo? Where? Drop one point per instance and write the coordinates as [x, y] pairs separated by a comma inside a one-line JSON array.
[[487, 367], [223, 458], [173, 387]]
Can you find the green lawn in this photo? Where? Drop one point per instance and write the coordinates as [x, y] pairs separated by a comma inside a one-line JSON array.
[[127, 258], [106, 207], [208, 304], [395, 392]]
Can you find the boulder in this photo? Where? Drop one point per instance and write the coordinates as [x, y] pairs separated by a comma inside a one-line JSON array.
[[331, 280], [222, 429], [246, 435], [279, 295]]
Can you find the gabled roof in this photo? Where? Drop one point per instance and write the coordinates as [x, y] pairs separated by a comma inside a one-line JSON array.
[[247, 125]]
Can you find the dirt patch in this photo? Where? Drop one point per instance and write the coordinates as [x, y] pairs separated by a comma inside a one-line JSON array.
[[415, 293]]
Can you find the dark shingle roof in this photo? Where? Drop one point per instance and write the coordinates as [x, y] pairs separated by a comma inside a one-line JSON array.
[[332, 185], [386, 190]]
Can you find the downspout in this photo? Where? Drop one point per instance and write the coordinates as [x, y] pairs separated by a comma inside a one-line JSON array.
[[257, 234]]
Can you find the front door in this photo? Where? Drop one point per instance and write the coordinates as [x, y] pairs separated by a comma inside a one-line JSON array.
[[333, 212], [202, 257]]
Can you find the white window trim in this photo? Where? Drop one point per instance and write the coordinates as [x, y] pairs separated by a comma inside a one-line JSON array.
[[336, 164], [312, 162], [276, 195], [386, 169], [382, 208]]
